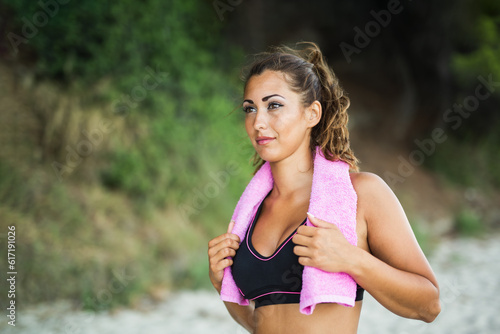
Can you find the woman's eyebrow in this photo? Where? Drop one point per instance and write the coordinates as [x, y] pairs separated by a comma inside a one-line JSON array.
[[269, 96], [264, 99]]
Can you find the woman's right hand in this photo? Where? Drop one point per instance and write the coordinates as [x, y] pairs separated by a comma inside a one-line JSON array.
[[219, 249]]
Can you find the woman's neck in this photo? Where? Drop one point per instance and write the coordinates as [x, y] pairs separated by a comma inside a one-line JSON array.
[[293, 175]]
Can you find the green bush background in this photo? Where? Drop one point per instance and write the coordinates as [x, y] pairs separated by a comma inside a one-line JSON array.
[[130, 205]]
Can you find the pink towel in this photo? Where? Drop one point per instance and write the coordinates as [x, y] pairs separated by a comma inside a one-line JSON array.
[[334, 200]]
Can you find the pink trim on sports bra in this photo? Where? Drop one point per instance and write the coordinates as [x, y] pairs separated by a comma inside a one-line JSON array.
[[261, 257], [268, 293]]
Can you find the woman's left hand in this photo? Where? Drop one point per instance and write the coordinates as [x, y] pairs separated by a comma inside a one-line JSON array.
[[323, 246]]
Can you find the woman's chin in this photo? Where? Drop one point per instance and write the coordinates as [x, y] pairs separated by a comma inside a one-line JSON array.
[[269, 158], [265, 154]]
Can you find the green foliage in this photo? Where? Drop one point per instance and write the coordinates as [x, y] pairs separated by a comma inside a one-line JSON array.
[[173, 144], [183, 116], [470, 154], [477, 53], [469, 162], [83, 244], [33, 205], [196, 275], [423, 238], [88, 39], [484, 58], [468, 223]]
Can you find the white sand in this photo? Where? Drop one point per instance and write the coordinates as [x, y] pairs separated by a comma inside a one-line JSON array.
[[468, 271]]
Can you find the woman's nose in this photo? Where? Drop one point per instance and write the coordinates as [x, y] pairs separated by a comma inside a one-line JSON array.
[[260, 121]]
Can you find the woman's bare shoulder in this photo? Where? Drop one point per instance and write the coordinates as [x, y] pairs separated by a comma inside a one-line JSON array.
[[367, 183], [373, 192]]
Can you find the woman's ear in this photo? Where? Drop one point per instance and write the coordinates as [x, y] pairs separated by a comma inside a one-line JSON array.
[[313, 113]]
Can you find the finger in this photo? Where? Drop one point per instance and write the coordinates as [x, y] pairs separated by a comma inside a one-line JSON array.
[[225, 243], [316, 221], [224, 263], [229, 243], [221, 265], [221, 238], [222, 259], [306, 261], [225, 253], [319, 222], [301, 251], [307, 231], [230, 227], [301, 240]]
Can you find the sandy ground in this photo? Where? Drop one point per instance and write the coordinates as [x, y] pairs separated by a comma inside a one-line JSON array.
[[468, 271]]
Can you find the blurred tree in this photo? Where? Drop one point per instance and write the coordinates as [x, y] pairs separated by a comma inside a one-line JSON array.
[[477, 53], [174, 44], [89, 40]]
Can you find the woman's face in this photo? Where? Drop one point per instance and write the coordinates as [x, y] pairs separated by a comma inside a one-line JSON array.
[[276, 122]]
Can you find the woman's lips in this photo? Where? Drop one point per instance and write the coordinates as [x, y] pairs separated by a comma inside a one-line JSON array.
[[264, 140]]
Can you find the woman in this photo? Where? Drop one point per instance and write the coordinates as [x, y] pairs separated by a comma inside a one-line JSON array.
[[293, 105]]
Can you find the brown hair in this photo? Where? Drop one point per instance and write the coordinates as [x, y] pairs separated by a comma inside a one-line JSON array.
[[308, 74]]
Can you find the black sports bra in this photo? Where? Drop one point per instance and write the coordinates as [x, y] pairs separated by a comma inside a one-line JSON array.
[[275, 279]]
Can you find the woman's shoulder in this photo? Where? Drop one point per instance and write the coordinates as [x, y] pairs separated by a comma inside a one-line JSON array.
[[366, 181], [374, 195], [369, 185]]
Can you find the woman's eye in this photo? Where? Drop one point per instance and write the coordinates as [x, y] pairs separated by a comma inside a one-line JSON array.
[[248, 109], [274, 105]]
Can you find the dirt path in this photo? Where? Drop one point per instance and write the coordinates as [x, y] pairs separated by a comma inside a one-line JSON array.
[[468, 271]]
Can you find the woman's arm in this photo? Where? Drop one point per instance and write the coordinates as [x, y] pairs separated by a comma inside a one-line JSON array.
[[396, 272], [220, 251], [242, 315]]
